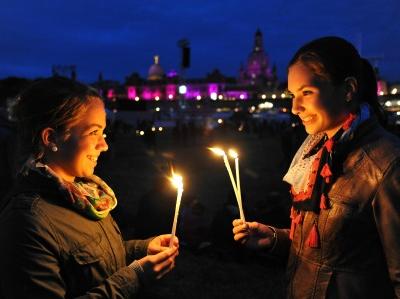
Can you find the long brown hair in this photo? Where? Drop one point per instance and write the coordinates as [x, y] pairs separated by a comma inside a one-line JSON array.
[[54, 102]]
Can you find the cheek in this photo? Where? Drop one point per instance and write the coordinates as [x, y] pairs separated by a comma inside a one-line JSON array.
[[73, 150]]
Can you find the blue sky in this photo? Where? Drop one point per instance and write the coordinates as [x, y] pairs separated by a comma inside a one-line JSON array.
[[121, 37]]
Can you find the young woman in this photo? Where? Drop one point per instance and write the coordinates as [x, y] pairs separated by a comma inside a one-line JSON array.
[[57, 237], [344, 239]]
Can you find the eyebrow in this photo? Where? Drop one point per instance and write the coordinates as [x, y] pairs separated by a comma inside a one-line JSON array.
[[93, 125], [300, 88]]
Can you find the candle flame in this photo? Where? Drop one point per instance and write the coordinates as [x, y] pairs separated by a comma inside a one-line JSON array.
[[217, 151], [233, 154], [177, 181]]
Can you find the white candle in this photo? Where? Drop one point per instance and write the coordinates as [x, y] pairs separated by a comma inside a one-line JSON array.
[[235, 156], [235, 186], [178, 183]]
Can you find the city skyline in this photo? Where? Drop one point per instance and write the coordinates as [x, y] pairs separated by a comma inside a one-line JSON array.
[[123, 38]]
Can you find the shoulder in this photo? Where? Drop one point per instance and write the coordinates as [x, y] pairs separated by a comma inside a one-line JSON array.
[[25, 228], [382, 148]]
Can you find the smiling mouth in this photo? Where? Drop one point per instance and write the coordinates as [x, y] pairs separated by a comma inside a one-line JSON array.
[[307, 119], [93, 158]]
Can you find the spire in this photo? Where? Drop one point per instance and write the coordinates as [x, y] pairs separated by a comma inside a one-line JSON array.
[[156, 59], [258, 41]]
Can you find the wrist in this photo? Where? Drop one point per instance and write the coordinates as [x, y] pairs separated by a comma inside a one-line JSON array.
[[138, 269]]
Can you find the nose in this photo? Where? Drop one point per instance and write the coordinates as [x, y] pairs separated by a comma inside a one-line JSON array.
[[297, 106], [102, 144]]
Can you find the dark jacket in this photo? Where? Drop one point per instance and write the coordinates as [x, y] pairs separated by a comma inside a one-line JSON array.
[[48, 250], [359, 256]]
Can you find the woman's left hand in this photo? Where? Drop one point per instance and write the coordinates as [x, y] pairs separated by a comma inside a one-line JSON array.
[[161, 243]]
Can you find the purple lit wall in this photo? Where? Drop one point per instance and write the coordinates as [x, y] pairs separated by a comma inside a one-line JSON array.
[[146, 94], [192, 92], [110, 93], [242, 95], [212, 88], [149, 94], [131, 92], [171, 90]]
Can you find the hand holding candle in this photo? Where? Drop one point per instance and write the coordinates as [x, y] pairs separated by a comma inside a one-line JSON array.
[[177, 181]]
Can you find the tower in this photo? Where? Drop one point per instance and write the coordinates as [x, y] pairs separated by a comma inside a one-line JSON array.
[[257, 70], [156, 72]]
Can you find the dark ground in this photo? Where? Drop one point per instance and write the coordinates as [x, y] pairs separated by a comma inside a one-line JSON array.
[[210, 264]]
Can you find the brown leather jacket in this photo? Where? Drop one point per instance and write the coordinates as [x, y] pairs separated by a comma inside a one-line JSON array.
[[359, 256], [48, 250]]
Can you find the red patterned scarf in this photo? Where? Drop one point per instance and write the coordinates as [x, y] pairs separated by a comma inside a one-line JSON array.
[[314, 197]]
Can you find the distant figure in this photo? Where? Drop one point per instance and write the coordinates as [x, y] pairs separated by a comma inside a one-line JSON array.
[[58, 239], [344, 239]]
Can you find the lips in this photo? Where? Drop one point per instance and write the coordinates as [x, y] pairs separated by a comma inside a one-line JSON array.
[[307, 119], [93, 158]]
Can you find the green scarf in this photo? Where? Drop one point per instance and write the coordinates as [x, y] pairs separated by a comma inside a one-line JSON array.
[[90, 196]]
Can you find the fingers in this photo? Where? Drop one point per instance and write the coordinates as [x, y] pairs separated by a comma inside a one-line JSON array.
[[176, 242], [165, 255], [165, 239], [163, 263], [166, 270], [160, 267], [237, 222], [161, 243], [157, 265], [242, 237], [241, 227]]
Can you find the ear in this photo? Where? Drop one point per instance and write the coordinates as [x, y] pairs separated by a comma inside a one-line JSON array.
[[351, 87], [48, 137]]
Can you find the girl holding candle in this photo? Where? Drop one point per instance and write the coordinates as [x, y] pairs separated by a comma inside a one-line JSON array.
[[344, 238], [58, 239]]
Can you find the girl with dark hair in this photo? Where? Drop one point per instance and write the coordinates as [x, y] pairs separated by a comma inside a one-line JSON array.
[[344, 238], [58, 239]]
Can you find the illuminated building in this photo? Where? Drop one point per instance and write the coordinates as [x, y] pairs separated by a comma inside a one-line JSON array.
[[255, 80]]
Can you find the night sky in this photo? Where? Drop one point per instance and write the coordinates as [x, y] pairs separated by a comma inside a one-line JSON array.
[[118, 38]]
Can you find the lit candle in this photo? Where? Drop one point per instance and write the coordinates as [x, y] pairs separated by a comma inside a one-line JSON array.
[[221, 153], [177, 181], [235, 156]]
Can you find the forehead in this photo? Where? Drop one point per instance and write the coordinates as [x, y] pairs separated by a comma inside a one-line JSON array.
[[300, 75], [93, 113]]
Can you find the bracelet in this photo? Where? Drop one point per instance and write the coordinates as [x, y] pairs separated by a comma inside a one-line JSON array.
[[275, 237]]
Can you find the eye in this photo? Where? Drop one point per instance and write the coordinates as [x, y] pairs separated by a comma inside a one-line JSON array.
[[95, 132], [307, 92]]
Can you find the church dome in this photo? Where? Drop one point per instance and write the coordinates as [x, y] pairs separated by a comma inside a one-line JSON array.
[[156, 72]]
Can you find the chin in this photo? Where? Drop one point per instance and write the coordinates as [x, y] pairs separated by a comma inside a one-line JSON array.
[[87, 173], [310, 131]]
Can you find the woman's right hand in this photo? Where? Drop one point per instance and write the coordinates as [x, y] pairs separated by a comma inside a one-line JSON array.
[[157, 265], [253, 235]]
